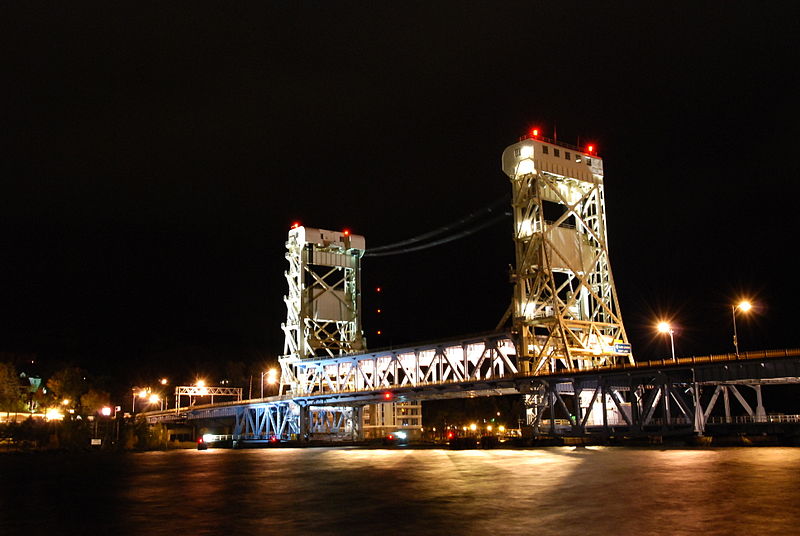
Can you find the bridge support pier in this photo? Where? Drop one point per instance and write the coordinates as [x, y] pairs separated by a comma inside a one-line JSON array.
[[761, 414], [304, 423], [357, 423]]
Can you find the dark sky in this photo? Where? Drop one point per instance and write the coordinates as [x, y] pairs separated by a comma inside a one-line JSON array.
[[153, 159]]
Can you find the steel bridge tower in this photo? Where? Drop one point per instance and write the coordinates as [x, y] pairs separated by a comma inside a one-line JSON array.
[[323, 305], [565, 309]]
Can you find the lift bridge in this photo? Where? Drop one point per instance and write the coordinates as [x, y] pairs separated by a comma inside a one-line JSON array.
[[562, 343]]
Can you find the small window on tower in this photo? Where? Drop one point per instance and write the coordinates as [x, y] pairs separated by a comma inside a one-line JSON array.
[[545, 149], [516, 151], [567, 155], [578, 158], [588, 161], [556, 152]]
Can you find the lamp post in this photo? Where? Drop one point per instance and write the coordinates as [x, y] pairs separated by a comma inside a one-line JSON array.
[[664, 327], [156, 399], [743, 306], [272, 378], [141, 393]]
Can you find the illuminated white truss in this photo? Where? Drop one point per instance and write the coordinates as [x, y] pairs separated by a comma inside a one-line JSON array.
[[461, 361], [342, 422], [265, 421], [281, 420], [193, 391], [323, 304], [565, 308]]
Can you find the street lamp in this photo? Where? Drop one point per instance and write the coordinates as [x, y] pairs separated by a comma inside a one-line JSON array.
[[272, 379], [141, 393], [156, 399], [743, 306], [664, 327]]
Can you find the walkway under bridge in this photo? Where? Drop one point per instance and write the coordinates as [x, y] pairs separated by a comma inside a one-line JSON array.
[[687, 395]]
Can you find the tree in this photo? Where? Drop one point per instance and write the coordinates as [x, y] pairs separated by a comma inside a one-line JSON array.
[[68, 383], [10, 393], [94, 400]]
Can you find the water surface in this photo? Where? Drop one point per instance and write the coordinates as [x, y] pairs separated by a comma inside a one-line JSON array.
[[556, 490]]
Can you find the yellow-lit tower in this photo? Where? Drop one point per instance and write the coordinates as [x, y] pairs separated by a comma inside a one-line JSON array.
[[565, 308]]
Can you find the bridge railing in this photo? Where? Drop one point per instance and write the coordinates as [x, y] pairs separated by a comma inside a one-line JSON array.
[[681, 361], [747, 419]]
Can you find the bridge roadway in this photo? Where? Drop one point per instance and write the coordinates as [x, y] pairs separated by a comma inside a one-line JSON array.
[[662, 396]]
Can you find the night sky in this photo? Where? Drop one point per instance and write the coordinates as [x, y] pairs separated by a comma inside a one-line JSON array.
[[154, 158]]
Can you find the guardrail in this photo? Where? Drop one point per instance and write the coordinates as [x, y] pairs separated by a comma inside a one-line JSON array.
[[693, 360]]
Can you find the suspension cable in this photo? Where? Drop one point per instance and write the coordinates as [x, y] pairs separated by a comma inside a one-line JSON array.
[[443, 229], [445, 240]]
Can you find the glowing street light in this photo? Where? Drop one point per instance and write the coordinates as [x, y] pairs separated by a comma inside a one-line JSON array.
[[743, 306], [138, 393], [156, 399], [272, 378], [664, 327], [54, 414]]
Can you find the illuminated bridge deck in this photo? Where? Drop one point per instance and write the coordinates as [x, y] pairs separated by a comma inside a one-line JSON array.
[[486, 366]]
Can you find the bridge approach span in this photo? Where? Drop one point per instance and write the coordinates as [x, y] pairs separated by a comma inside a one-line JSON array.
[[679, 395]]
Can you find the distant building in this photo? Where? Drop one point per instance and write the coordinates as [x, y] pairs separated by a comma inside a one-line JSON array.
[[381, 420]]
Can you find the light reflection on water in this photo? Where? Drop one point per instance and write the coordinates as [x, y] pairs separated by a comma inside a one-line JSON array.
[[359, 491]]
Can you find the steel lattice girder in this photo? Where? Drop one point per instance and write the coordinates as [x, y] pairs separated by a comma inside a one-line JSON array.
[[261, 421], [459, 361], [565, 305], [323, 302]]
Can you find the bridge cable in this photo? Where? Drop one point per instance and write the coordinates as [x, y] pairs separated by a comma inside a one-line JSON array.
[[462, 234], [504, 200]]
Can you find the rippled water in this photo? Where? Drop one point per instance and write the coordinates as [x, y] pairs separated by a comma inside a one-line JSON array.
[[403, 491]]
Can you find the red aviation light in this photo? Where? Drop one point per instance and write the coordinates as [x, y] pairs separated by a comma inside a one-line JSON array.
[[590, 149], [346, 232], [295, 225], [535, 132]]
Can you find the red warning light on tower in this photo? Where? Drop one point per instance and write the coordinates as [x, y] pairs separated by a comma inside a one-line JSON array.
[[346, 232], [295, 225], [535, 132], [387, 395], [590, 149]]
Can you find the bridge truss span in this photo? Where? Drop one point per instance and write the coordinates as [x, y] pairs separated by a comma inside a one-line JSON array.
[[490, 357]]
